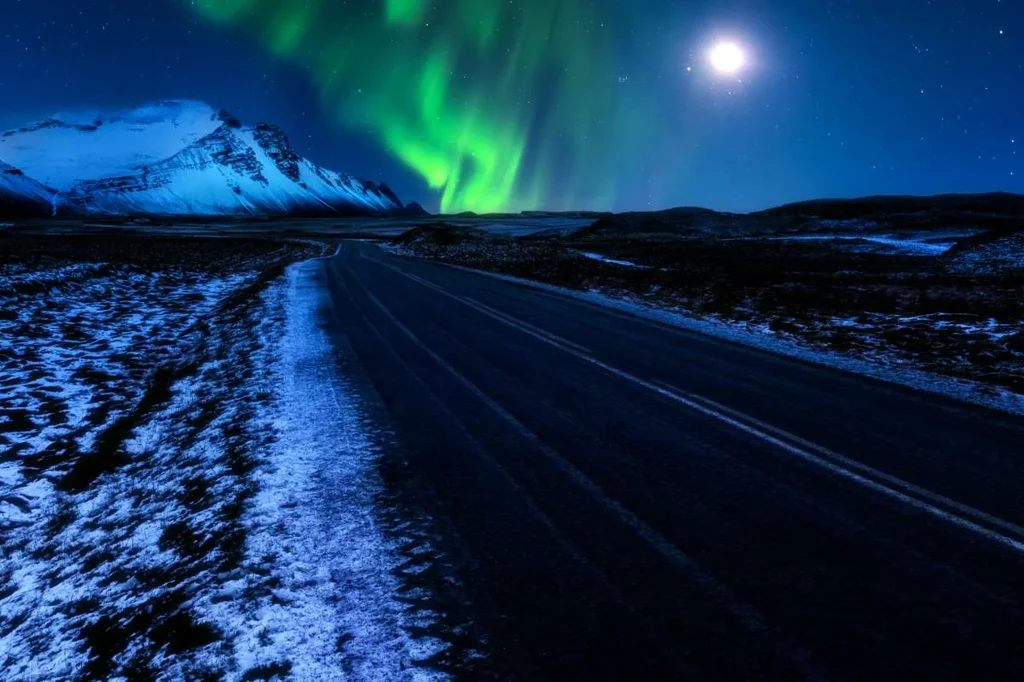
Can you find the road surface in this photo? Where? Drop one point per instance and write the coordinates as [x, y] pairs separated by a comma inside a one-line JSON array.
[[636, 502]]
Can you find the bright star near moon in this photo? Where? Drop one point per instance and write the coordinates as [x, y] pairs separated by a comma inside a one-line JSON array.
[[727, 58]]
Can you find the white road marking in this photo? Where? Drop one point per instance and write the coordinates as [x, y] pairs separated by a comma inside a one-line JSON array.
[[844, 461], [523, 326], [961, 515], [739, 609], [487, 310], [567, 545]]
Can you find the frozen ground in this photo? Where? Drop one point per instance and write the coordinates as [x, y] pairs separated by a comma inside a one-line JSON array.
[[930, 243], [188, 488], [998, 257], [612, 261]]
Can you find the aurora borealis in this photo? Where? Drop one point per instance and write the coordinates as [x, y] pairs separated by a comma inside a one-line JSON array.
[[504, 105], [477, 97]]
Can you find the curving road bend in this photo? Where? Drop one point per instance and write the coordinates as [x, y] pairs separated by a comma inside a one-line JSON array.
[[631, 501]]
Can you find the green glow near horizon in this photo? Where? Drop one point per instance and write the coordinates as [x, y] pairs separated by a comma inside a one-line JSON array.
[[498, 105]]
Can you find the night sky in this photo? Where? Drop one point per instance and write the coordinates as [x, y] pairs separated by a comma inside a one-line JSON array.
[[493, 105]]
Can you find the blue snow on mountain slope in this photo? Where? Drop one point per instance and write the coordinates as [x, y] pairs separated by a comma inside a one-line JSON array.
[[181, 158]]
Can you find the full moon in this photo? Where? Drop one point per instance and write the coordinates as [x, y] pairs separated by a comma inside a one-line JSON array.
[[727, 58]]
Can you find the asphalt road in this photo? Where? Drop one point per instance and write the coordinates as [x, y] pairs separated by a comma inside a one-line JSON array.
[[635, 502]]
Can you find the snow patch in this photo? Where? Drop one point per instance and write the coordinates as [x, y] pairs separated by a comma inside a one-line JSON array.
[[934, 243], [315, 509], [1003, 256], [612, 261]]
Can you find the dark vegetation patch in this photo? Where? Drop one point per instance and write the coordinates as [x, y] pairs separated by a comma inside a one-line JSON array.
[[165, 622], [183, 539], [997, 213], [16, 420], [199, 496], [148, 253], [108, 453], [268, 671], [64, 516], [195, 492], [444, 234], [126, 386], [97, 558]]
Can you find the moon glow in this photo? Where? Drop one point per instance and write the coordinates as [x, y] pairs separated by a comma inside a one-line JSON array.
[[727, 58]]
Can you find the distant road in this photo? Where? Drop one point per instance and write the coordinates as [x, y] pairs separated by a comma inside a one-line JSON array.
[[635, 502]]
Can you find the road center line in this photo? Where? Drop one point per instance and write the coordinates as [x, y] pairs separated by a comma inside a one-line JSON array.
[[742, 611], [523, 326], [844, 461], [955, 513]]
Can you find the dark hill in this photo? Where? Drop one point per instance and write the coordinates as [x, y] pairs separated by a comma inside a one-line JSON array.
[[1000, 213]]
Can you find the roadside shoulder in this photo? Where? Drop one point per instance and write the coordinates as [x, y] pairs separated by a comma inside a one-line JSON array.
[[762, 338]]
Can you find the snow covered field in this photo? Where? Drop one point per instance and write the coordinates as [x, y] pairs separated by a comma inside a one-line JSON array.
[[188, 488]]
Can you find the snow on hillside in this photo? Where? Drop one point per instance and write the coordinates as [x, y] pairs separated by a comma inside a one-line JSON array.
[[925, 243], [71, 147], [233, 171], [21, 194], [1003, 256], [15, 181], [181, 158]]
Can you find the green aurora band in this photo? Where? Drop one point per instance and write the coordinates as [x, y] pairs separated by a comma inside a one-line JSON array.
[[498, 104]]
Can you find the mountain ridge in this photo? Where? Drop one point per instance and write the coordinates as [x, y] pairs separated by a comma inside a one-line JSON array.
[[180, 158], [21, 196]]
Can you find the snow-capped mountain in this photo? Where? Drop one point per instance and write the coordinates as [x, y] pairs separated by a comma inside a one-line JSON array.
[[21, 196], [233, 171], [68, 148], [182, 158]]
